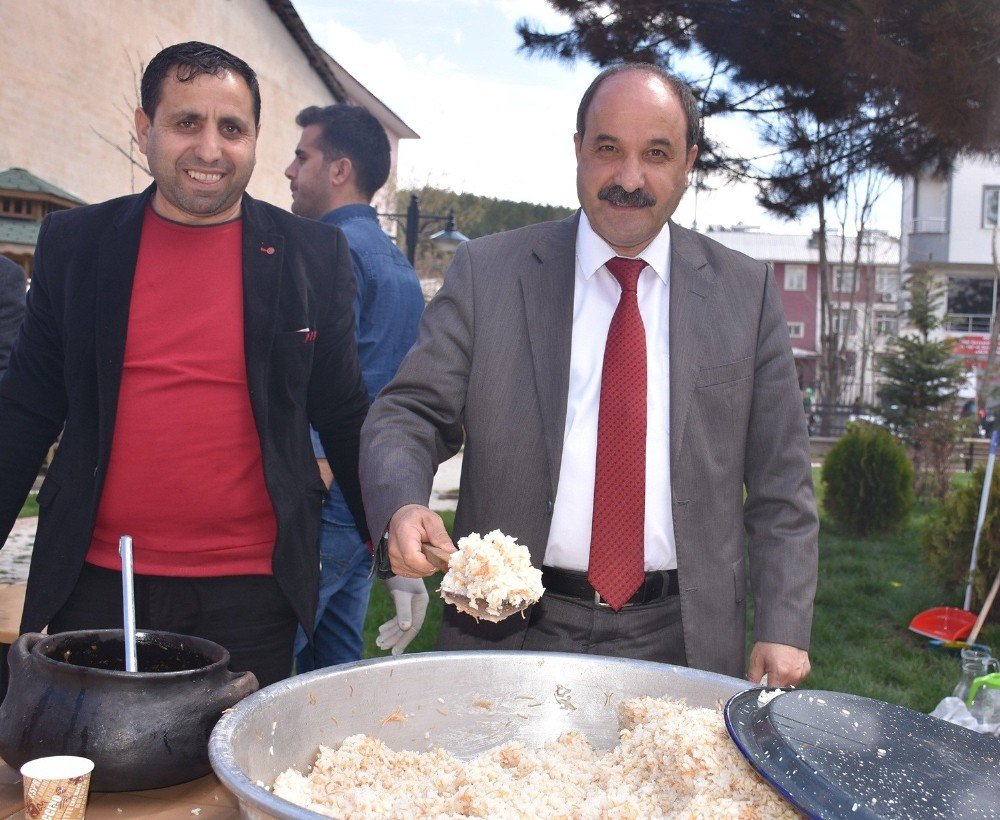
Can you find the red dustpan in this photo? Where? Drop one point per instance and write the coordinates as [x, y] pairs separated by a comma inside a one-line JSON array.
[[946, 623]]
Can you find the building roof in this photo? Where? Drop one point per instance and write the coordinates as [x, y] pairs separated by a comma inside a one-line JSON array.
[[17, 179], [342, 85], [362, 95], [19, 231], [801, 248]]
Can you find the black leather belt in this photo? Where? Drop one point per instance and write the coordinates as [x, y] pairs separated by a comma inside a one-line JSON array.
[[573, 584]]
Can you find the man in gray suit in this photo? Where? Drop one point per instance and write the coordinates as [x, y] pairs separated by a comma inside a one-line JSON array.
[[537, 353]]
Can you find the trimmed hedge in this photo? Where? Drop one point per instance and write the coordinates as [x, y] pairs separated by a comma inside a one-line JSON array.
[[868, 481]]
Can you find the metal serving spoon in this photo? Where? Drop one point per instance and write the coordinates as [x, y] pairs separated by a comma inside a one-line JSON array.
[[440, 559], [128, 602]]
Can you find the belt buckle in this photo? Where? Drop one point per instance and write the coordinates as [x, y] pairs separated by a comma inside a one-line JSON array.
[[598, 601]]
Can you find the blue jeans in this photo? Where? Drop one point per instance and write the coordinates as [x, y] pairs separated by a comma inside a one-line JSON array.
[[344, 587]]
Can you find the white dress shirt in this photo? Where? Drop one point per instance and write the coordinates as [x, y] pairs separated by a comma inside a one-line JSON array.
[[595, 297]]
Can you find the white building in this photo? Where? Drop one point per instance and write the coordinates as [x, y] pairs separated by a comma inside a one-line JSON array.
[[949, 228]]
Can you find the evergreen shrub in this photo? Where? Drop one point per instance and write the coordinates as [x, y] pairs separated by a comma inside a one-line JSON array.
[[868, 481], [946, 539]]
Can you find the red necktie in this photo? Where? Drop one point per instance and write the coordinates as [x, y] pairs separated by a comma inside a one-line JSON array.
[[618, 532]]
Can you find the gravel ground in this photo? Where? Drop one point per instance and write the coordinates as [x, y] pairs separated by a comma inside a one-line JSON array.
[[16, 554]]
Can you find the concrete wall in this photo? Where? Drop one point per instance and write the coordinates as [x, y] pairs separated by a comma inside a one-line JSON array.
[[69, 72], [943, 219], [932, 199], [969, 241]]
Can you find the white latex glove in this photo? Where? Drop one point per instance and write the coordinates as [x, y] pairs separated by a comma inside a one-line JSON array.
[[409, 595]]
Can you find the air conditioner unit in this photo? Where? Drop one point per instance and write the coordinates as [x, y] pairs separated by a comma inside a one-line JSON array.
[[889, 296]]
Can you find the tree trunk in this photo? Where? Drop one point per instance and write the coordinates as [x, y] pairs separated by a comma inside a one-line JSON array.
[[829, 383]]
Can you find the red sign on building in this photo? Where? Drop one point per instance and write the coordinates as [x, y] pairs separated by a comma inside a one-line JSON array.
[[976, 344]]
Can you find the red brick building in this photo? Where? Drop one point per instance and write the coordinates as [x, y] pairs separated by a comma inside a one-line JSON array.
[[865, 298]]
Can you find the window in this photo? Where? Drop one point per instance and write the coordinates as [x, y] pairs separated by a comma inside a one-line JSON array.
[[796, 330], [970, 295], [886, 280], [843, 322], [991, 201], [885, 324], [843, 280], [795, 277], [970, 304]]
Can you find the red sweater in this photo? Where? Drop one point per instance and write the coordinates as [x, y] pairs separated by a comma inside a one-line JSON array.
[[185, 478]]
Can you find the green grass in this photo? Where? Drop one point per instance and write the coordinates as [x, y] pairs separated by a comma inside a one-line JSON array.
[[380, 610], [30, 506], [868, 591]]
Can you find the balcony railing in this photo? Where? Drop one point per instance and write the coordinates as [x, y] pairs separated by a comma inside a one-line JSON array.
[[968, 323], [929, 224]]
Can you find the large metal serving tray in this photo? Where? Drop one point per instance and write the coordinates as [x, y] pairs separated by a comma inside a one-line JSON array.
[[464, 702]]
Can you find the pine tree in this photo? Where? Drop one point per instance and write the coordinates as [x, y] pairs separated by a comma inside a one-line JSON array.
[[919, 76], [922, 379], [921, 374]]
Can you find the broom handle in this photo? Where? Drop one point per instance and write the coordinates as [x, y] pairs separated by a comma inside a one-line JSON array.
[[984, 498], [985, 610]]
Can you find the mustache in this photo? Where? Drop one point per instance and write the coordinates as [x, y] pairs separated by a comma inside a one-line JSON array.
[[617, 195]]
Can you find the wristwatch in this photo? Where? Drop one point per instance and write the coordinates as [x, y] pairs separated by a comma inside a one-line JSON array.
[[381, 568]]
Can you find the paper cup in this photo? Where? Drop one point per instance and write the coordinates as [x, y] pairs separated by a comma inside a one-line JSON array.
[[55, 788]]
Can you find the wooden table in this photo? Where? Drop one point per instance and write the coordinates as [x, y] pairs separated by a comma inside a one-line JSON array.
[[11, 605], [205, 797]]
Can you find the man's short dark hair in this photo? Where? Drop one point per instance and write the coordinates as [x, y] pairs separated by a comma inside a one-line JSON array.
[[190, 60], [683, 91], [353, 132]]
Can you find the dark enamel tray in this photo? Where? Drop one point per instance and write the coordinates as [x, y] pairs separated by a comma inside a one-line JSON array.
[[834, 755]]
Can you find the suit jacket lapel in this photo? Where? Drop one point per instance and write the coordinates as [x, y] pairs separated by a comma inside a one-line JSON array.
[[547, 290], [117, 256], [263, 252], [690, 286]]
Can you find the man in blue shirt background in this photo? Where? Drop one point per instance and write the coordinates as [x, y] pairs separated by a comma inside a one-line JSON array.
[[342, 159]]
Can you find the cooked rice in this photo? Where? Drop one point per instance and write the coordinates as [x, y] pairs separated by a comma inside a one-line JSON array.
[[671, 761], [493, 570]]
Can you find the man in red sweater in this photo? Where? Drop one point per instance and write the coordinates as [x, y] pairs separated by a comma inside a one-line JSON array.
[[185, 338]]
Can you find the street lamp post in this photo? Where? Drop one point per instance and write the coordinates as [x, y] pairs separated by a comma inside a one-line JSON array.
[[448, 239]]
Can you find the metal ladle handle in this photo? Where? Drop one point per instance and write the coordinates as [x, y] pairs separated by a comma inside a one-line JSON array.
[[128, 602]]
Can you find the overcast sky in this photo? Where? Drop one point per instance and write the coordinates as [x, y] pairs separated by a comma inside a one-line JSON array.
[[492, 120]]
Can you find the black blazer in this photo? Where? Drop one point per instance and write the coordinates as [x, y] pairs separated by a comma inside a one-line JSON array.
[[11, 306], [65, 372]]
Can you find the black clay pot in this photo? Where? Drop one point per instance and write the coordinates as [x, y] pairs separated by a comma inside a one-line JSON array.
[[69, 695]]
